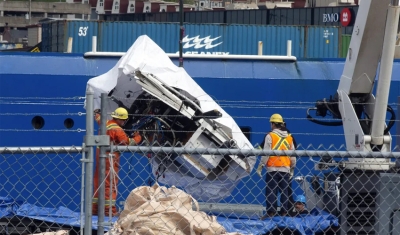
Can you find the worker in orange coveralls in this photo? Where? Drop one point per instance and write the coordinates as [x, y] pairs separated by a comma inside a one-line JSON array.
[[117, 137]]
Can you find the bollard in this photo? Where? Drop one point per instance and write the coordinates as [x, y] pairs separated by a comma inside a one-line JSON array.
[[69, 46], [260, 47], [94, 44], [289, 48]]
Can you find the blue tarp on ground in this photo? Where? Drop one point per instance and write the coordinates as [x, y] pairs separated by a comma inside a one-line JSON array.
[[316, 221]]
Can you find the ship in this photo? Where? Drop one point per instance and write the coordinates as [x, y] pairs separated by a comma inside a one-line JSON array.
[[42, 104]]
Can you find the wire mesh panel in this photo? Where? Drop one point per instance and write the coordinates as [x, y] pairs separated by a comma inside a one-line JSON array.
[[40, 189], [172, 168], [330, 191]]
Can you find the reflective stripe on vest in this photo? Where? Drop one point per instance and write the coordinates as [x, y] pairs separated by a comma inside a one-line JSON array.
[[279, 143], [112, 126], [106, 203], [109, 127]]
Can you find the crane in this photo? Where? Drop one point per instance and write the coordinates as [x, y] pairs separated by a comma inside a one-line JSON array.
[[363, 193], [371, 47]]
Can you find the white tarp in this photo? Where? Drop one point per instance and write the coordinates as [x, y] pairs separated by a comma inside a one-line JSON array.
[[147, 57], [159, 210]]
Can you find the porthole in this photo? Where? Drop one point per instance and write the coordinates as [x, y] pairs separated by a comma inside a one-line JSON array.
[[246, 131], [68, 123], [37, 122]]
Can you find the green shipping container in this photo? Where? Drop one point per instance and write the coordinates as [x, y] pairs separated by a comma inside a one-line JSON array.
[[345, 45]]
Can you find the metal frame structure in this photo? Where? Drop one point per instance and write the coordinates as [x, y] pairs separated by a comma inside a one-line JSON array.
[[363, 117]]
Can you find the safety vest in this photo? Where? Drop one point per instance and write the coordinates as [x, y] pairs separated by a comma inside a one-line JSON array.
[[279, 143]]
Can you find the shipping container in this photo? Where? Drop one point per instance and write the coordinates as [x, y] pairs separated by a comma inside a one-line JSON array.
[[344, 46], [331, 16], [203, 17], [322, 42], [137, 17], [259, 17], [276, 40], [47, 37], [307, 42], [119, 36], [159, 17], [204, 38], [290, 16], [319, 16], [55, 35]]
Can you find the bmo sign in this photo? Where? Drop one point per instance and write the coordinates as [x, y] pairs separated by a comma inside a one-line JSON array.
[[330, 18], [344, 17]]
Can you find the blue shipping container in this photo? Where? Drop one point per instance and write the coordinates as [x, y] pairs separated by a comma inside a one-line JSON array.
[[322, 42], [119, 36], [55, 35], [47, 36], [307, 42], [204, 38], [277, 37]]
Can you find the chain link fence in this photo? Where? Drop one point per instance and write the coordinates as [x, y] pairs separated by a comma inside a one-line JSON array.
[[44, 189], [165, 185], [357, 192], [358, 201], [331, 191], [38, 186]]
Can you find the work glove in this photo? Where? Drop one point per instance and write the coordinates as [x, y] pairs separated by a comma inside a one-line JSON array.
[[137, 137], [259, 169]]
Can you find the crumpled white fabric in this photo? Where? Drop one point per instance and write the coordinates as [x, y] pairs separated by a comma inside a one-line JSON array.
[[160, 210], [59, 232]]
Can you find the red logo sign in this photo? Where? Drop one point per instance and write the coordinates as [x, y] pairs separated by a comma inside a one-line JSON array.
[[345, 17]]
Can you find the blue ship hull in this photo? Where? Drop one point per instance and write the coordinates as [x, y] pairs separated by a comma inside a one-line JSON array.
[[250, 91]]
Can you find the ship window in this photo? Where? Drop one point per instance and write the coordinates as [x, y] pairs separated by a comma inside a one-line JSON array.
[[37, 122], [68, 123], [246, 131]]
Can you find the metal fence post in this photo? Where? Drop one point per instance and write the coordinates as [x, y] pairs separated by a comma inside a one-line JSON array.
[[89, 165], [102, 166], [83, 186]]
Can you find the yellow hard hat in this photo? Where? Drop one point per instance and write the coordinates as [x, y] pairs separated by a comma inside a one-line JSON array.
[[276, 118], [120, 113]]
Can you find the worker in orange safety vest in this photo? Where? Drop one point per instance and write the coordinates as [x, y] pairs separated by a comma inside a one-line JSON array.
[[117, 137], [279, 168]]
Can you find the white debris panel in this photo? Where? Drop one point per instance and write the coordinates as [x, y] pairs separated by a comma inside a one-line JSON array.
[[169, 108]]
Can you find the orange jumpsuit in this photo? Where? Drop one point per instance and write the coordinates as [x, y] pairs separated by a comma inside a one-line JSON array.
[[117, 137]]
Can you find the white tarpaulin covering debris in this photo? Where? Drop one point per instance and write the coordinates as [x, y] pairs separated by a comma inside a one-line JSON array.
[[146, 72], [160, 210], [59, 232]]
